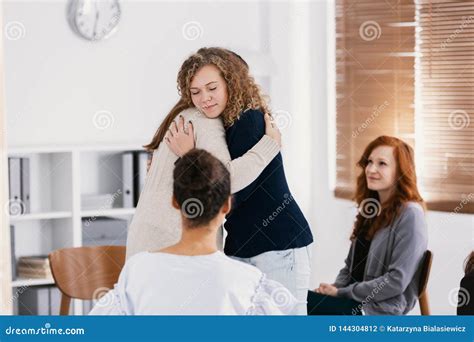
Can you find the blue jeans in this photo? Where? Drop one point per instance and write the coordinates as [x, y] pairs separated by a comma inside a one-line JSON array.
[[290, 267]]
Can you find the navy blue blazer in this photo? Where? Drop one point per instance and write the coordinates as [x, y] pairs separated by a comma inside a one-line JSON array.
[[265, 216]]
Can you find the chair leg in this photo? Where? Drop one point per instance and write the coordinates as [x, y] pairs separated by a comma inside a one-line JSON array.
[[65, 303], [424, 304]]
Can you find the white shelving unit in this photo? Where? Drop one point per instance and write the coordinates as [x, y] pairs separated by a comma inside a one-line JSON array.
[[59, 176], [41, 216], [31, 282], [108, 212]]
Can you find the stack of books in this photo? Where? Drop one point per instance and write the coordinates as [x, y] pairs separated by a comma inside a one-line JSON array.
[[34, 267]]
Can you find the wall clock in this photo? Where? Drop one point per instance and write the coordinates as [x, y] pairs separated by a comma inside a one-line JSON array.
[[94, 20]]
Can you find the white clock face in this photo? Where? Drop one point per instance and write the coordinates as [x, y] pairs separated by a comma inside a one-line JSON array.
[[94, 19]]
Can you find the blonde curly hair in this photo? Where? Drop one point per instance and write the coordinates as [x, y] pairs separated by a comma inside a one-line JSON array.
[[243, 92]]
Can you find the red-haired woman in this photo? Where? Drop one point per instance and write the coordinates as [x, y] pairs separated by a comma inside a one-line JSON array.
[[466, 289], [381, 272]]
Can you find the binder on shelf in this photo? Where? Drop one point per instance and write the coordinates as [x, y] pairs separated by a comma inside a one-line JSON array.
[[12, 251], [39, 300], [25, 184], [127, 180], [34, 301], [54, 301], [16, 207], [140, 165]]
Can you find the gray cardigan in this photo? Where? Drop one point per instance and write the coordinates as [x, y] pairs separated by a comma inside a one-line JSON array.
[[392, 271]]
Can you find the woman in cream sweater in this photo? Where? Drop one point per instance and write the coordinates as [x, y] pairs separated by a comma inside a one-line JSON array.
[[156, 224]]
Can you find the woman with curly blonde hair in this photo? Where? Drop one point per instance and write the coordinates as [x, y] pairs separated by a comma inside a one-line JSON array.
[[266, 227], [242, 91], [156, 224]]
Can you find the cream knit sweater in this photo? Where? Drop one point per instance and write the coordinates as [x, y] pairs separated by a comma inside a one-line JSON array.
[[156, 224]]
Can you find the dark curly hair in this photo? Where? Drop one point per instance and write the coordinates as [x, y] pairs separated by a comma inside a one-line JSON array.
[[201, 186]]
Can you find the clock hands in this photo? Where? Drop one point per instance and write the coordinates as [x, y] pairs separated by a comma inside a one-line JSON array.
[[96, 21]]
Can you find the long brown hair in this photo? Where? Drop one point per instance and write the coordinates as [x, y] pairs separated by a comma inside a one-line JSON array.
[[243, 92], [469, 264], [405, 189]]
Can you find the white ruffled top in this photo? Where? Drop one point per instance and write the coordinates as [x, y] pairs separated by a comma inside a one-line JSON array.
[[213, 284]]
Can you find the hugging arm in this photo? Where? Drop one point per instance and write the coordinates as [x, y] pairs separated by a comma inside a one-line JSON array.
[[209, 134]]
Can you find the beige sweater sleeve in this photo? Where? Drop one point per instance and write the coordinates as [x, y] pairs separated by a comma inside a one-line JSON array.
[[210, 136]]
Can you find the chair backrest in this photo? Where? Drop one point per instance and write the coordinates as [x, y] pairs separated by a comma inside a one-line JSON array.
[[425, 272], [83, 271]]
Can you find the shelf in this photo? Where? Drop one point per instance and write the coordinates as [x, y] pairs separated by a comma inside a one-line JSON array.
[[108, 212], [41, 216], [32, 282], [13, 150], [59, 177]]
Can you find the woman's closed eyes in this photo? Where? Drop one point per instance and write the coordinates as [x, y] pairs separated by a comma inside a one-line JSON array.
[[197, 92]]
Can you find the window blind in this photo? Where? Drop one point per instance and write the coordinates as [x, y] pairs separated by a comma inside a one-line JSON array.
[[401, 65], [375, 43], [445, 103]]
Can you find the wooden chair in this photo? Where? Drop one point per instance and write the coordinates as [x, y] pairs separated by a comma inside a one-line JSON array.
[[85, 272], [425, 274]]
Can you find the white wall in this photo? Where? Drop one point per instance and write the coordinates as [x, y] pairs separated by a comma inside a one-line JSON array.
[[5, 259], [56, 82]]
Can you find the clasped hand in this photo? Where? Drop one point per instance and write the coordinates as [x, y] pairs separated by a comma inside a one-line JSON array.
[[180, 139]]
